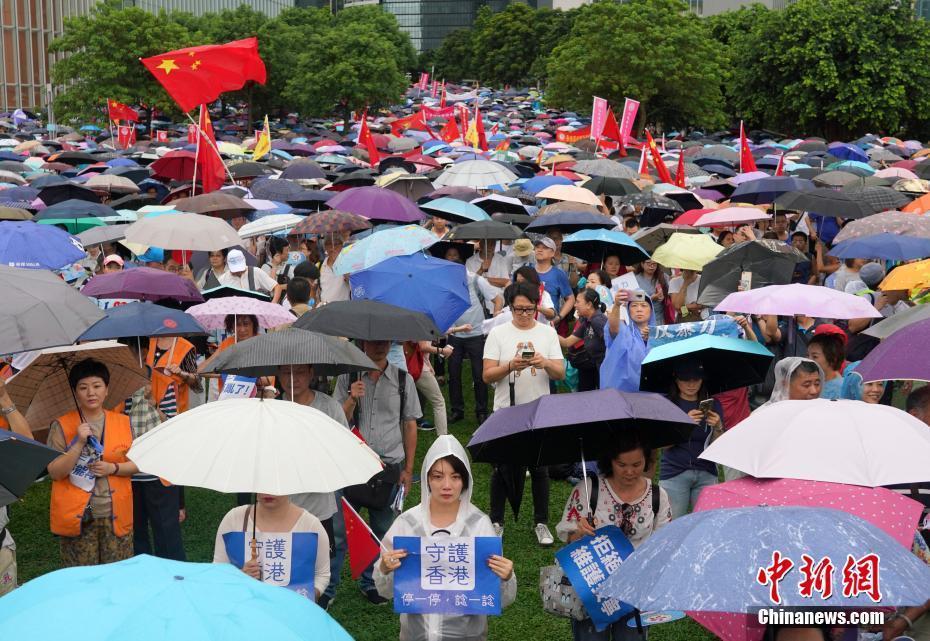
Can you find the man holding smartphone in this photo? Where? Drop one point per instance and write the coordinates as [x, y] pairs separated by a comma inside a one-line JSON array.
[[520, 358]]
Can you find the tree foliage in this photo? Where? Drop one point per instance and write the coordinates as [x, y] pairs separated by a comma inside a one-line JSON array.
[[652, 50], [454, 58], [830, 67]]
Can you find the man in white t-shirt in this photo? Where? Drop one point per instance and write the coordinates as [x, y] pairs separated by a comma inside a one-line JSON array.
[[490, 264], [520, 358], [240, 275], [683, 290], [333, 287]]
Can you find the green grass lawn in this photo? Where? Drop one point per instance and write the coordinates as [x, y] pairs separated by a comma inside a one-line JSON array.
[[37, 553]]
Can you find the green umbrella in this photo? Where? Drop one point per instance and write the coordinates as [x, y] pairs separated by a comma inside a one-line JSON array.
[[74, 225]]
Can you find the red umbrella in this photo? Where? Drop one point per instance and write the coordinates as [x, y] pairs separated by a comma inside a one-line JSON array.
[[175, 165], [690, 216]]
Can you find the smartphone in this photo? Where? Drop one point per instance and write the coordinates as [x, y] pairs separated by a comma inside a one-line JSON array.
[[706, 406], [745, 282], [527, 353]]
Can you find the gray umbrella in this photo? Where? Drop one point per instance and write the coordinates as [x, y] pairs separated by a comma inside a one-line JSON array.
[[771, 262], [650, 238], [261, 355], [890, 325], [604, 167], [39, 310], [880, 198], [105, 234]]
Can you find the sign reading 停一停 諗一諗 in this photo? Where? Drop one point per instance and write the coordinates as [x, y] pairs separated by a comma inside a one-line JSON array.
[[587, 563], [447, 575]]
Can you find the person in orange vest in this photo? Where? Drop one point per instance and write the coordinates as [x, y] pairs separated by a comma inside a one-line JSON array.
[[174, 373], [91, 503]]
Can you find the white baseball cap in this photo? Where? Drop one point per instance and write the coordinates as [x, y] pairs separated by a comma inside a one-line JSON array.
[[235, 261]]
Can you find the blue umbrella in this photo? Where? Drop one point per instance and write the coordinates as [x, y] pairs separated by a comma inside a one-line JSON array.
[[593, 245], [150, 599], [538, 183], [381, 245], [684, 565], [729, 363], [142, 318], [456, 210], [766, 190], [436, 287], [845, 151], [886, 246], [32, 246]]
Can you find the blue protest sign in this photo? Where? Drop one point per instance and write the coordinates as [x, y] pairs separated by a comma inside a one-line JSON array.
[[288, 559], [448, 575], [718, 325], [588, 562]]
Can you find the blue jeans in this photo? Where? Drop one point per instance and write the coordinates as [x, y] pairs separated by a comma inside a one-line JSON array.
[[683, 489], [380, 521], [617, 631], [338, 557]]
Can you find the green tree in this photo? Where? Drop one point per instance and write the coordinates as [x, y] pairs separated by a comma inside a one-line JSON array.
[[653, 50], [345, 68], [454, 57], [834, 67], [385, 25], [505, 44], [101, 59]]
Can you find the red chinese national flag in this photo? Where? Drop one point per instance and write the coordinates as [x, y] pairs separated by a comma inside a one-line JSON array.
[[365, 138], [479, 126], [746, 162], [363, 548], [199, 75], [118, 111], [680, 174], [450, 131], [780, 170], [661, 169], [611, 130], [210, 168]]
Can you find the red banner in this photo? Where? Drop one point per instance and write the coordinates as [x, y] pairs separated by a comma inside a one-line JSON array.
[[569, 137], [192, 134], [161, 135], [126, 136]]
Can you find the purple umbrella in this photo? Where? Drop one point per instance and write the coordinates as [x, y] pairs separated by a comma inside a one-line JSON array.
[[901, 356], [559, 428], [142, 283], [788, 300], [377, 204]]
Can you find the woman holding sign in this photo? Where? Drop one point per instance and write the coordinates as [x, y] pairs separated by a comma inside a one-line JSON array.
[[445, 512], [621, 495]]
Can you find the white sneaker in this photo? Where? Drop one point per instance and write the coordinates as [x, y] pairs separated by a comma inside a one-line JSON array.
[[543, 535], [498, 529]]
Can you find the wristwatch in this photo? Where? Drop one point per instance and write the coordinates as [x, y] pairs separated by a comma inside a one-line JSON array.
[[6, 411]]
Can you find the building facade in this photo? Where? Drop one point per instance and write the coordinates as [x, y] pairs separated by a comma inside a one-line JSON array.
[[28, 26]]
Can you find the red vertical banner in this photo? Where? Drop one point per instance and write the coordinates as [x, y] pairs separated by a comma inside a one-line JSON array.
[[192, 134], [161, 135], [630, 107], [598, 117], [125, 135], [434, 88], [424, 79]]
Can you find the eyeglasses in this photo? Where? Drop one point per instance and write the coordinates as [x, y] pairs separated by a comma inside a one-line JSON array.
[[526, 311]]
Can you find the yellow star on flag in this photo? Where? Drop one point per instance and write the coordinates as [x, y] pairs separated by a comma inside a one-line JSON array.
[[168, 65], [195, 65]]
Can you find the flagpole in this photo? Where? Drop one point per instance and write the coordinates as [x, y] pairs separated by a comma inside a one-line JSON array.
[[212, 146], [367, 527], [196, 155]]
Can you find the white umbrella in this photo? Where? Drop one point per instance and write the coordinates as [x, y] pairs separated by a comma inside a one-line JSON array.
[[269, 225], [112, 184], [821, 440], [478, 174], [183, 231], [255, 445]]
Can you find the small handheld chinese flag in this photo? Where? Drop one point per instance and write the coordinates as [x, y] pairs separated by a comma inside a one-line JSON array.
[[746, 162], [680, 174], [450, 131], [118, 111], [199, 75], [661, 169], [210, 168], [263, 144], [365, 138], [780, 170], [363, 547]]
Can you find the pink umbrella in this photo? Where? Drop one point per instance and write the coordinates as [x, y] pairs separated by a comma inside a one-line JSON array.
[[731, 216], [748, 176], [896, 172], [894, 513], [788, 300], [213, 313]]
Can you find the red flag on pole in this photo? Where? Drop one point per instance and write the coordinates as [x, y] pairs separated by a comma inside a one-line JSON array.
[[442, 99], [746, 162], [361, 541], [479, 127], [450, 131], [365, 138], [210, 167], [118, 111], [780, 170], [661, 169], [680, 174], [199, 75], [643, 169], [611, 130]]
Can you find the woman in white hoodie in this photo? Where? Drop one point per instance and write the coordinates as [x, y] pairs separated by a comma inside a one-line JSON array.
[[445, 510]]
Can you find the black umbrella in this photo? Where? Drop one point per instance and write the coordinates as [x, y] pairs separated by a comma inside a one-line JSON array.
[[570, 221], [22, 461], [771, 262], [279, 189], [60, 193], [249, 170], [825, 202], [485, 230], [495, 204], [611, 186], [75, 209], [651, 238], [879, 198], [261, 355], [369, 320], [519, 220], [439, 249], [134, 202], [224, 291]]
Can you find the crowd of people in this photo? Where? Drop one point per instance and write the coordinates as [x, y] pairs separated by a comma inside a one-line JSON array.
[[538, 320]]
